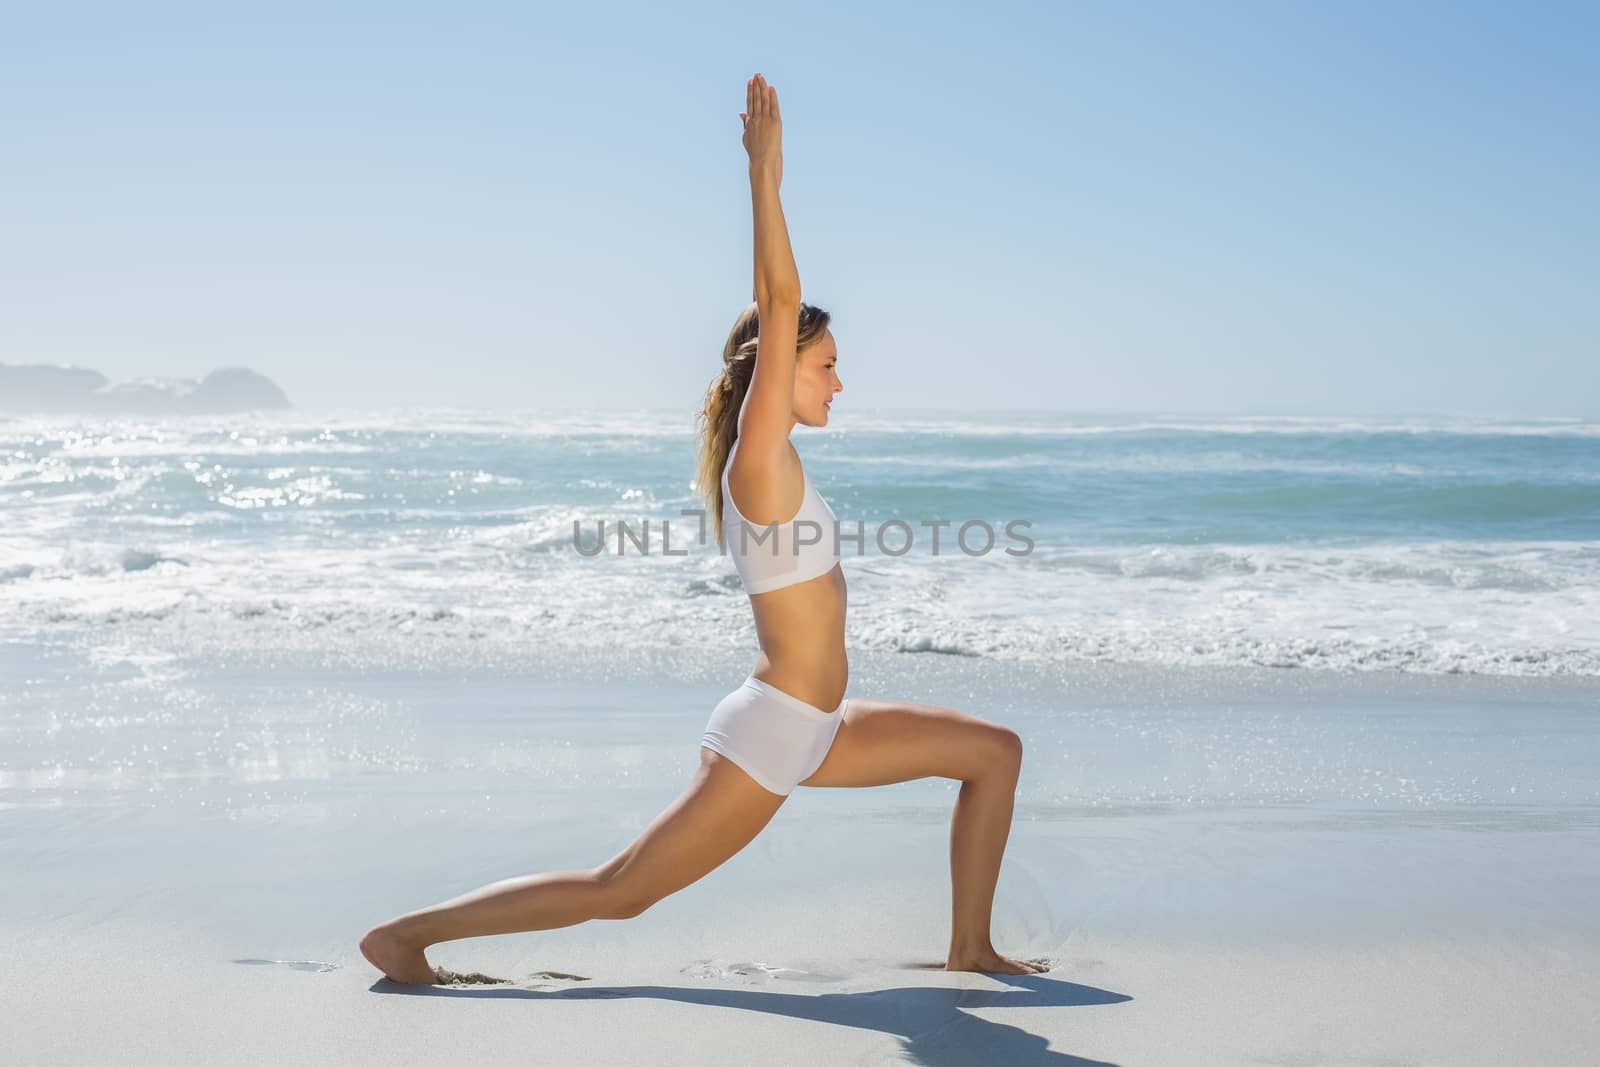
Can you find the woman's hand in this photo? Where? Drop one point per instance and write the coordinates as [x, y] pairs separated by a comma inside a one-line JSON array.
[[763, 126]]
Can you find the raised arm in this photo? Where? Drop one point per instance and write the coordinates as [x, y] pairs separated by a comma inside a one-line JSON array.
[[775, 274], [764, 461]]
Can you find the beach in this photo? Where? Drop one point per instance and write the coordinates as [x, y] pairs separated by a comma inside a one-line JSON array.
[[1203, 396], [1222, 867], [1310, 711]]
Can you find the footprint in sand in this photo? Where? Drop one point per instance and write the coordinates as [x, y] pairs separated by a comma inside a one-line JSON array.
[[1037, 961], [296, 965], [449, 977], [717, 969]]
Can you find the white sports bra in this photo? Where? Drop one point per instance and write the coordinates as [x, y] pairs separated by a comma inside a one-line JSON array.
[[772, 556]]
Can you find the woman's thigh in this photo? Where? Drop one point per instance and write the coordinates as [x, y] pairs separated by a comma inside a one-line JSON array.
[[881, 742], [721, 811]]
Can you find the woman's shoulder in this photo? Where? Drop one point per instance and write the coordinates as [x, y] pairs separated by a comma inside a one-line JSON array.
[[769, 482]]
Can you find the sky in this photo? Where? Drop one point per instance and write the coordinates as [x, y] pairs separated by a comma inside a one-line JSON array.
[[1296, 208]]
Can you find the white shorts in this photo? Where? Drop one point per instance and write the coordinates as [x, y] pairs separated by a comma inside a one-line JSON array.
[[778, 739]]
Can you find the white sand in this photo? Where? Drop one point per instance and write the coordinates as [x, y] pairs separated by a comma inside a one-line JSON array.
[[1226, 868], [163, 998]]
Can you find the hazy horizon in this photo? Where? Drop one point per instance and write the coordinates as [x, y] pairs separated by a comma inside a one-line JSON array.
[[1280, 412]]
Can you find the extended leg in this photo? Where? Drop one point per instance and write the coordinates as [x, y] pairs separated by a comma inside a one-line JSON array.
[[722, 811]]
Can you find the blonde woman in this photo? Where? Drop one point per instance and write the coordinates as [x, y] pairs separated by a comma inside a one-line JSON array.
[[788, 723]]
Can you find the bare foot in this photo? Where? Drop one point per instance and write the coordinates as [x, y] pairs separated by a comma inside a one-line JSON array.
[[992, 962], [400, 961]]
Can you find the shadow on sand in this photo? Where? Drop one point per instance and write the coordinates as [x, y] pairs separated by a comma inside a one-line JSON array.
[[930, 1020]]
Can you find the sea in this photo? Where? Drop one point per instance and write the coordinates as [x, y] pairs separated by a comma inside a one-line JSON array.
[[1427, 544]]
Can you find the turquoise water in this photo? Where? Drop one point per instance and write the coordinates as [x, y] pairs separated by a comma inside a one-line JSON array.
[[1423, 544]]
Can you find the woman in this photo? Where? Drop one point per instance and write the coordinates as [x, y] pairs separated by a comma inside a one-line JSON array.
[[788, 724]]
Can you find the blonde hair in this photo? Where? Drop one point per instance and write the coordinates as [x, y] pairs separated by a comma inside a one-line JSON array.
[[718, 421]]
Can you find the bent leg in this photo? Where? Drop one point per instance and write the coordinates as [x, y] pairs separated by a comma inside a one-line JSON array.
[[881, 742], [720, 812]]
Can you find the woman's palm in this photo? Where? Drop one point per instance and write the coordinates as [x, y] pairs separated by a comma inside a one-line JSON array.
[[763, 125]]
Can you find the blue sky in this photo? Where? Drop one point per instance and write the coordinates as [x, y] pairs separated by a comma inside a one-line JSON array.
[[1276, 207]]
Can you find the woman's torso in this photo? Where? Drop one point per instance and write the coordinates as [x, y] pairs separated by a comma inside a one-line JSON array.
[[799, 626]]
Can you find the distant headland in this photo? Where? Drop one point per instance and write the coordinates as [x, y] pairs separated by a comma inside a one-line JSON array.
[[41, 389]]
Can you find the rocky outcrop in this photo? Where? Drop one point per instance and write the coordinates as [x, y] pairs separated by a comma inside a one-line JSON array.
[[38, 389]]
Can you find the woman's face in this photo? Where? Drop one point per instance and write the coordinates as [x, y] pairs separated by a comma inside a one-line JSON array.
[[816, 380]]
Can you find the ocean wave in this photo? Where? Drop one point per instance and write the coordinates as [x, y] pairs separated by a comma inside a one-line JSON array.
[[1350, 551], [1431, 607], [403, 633]]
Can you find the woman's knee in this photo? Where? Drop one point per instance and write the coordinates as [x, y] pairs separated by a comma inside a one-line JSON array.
[[988, 751], [627, 908], [619, 897], [1006, 748]]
